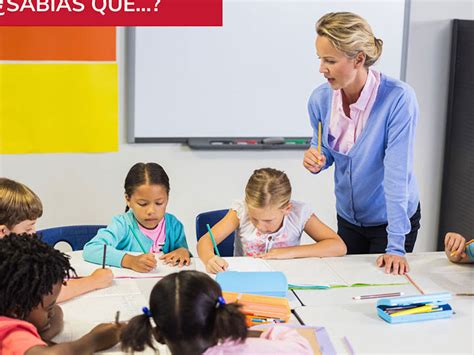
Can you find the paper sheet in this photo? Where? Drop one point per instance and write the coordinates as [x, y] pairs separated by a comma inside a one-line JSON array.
[[84, 268]]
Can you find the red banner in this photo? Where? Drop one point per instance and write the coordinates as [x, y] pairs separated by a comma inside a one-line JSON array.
[[111, 12]]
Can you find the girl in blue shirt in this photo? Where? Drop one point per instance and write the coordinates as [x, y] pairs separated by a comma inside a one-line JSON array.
[[377, 198], [144, 227]]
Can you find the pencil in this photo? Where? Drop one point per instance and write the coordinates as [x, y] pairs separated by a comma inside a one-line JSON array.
[[103, 256], [379, 295], [213, 240], [469, 242], [414, 284], [117, 315], [319, 137]]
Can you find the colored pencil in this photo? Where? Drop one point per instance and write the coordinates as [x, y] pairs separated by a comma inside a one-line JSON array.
[[379, 295], [414, 284], [213, 240], [469, 242], [103, 256], [319, 137]]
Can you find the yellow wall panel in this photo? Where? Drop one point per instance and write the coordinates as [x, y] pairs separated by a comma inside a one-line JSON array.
[[52, 108]]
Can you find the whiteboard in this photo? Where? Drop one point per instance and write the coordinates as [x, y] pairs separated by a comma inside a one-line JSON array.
[[251, 77]]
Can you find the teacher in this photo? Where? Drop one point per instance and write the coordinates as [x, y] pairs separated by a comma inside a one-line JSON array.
[[368, 129]]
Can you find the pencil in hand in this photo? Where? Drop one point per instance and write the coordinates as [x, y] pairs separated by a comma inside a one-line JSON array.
[[213, 240], [103, 256], [465, 245]]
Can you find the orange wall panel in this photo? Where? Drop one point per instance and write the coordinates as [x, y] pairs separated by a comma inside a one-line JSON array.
[[58, 43]]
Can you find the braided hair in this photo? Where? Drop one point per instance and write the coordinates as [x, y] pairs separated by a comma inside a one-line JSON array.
[[190, 316], [29, 268]]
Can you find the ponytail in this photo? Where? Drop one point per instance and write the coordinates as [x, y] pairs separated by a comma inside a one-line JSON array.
[[229, 323], [137, 333]]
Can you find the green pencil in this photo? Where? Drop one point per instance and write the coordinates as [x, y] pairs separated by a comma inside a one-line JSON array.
[[213, 240]]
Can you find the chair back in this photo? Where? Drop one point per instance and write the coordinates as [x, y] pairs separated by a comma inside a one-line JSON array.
[[75, 236], [226, 247]]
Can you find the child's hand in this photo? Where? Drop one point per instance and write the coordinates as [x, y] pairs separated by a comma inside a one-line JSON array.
[[179, 256], [101, 278], [139, 263], [454, 245], [105, 335], [277, 253], [216, 264], [313, 160]]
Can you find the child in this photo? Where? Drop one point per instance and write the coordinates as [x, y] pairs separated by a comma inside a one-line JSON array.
[[19, 209], [191, 317], [457, 250], [144, 227], [269, 225], [31, 276]]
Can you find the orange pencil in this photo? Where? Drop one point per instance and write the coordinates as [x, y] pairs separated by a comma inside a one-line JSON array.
[[469, 242]]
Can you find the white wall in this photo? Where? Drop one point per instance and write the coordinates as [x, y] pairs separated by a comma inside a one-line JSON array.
[[88, 188]]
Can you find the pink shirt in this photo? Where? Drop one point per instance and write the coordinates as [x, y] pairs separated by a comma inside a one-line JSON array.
[[343, 130], [158, 235], [275, 340], [17, 336]]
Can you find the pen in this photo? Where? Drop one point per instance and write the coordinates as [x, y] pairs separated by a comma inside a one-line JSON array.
[[103, 256], [379, 295], [213, 240], [117, 315]]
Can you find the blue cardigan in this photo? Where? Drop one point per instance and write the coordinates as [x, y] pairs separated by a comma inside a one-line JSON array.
[[122, 234], [374, 181]]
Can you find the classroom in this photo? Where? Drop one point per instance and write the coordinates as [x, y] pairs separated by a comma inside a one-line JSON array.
[[73, 124]]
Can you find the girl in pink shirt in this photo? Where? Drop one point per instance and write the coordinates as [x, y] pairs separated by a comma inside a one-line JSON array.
[[191, 317]]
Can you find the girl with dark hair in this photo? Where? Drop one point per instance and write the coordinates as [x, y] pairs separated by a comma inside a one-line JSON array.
[[144, 227], [191, 317]]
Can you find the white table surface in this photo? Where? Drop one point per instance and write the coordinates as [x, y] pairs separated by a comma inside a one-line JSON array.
[[334, 308]]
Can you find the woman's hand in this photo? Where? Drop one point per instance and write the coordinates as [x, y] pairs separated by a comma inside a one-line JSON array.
[[394, 264], [179, 256], [313, 160]]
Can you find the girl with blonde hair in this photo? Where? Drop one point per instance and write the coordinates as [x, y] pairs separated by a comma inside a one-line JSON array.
[[269, 224]]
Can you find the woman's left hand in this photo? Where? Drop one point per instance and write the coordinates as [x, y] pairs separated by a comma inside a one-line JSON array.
[[179, 256], [394, 264]]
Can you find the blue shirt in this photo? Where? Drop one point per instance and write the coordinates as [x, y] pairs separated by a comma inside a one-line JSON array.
[[374, 181], [123, 235]]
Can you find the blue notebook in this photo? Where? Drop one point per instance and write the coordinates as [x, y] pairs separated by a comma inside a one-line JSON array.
[[268, 283]]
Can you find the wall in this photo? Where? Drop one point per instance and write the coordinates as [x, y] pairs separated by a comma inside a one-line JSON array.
[[88, 188]]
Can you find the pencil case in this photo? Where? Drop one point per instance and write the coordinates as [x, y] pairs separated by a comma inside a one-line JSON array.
[[267, 283], [415, 308]]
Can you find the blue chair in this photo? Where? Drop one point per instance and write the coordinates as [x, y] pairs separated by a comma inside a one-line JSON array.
[[226, 247], [75, 236]]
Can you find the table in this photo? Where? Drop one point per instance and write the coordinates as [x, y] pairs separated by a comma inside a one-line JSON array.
[[332, 308]]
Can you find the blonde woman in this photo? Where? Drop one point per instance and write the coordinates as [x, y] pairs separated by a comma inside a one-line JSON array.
[[269, 225], [368, 129]]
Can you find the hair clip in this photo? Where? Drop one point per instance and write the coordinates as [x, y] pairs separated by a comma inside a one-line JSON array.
[[220, 302], [146, 312]]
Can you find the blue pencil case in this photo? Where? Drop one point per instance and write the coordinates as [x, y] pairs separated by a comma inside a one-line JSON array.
[[415, 308], [271, 283]]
